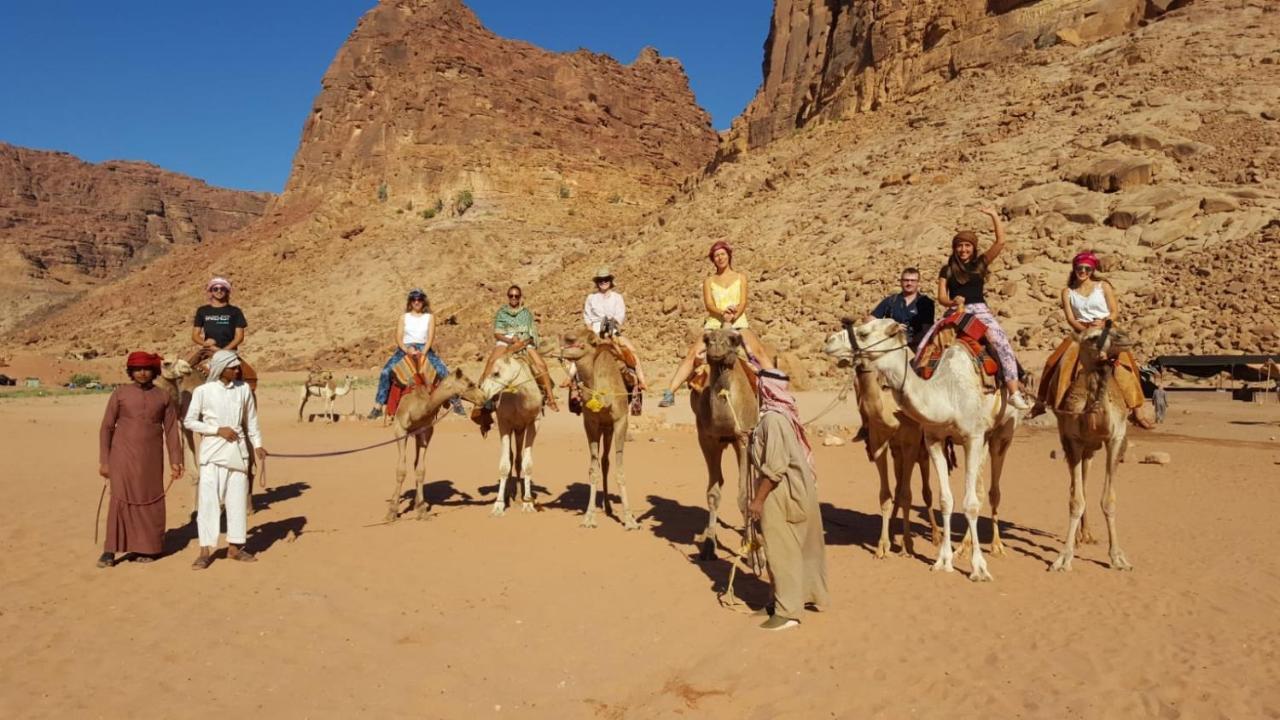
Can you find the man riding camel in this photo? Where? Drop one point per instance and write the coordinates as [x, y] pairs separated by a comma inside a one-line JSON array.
[[219, 325]]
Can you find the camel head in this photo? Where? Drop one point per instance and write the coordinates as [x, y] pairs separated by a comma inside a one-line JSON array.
[[505, 373], [576, 342], [458, 384], [174, 369], [1102, 343], [838, 347], [877, 337], [722, 346]]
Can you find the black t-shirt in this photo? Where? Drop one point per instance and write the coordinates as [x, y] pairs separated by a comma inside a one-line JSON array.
[[220, 323], [971, 291]]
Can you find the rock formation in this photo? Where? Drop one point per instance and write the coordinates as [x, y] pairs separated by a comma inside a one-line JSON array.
[[65, 224]]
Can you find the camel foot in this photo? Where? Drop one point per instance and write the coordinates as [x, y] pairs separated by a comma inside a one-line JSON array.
[[882, 550], [908, 549], [1084, 537], [965, 548], [629, 522], [1119, 562], [423, 511], [980, 573], [1062, 564], [942, 564], [997, 549], [498, 510], [706, 549], [527, 506], [392, 515], [589, 520]]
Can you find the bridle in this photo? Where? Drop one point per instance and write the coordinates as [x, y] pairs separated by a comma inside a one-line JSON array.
[[861, 351]]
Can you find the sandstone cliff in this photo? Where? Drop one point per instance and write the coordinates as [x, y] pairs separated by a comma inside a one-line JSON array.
[[66, 224]]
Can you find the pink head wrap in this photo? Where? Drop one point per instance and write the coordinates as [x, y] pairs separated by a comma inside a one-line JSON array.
[[1085, 258], [218, 282]]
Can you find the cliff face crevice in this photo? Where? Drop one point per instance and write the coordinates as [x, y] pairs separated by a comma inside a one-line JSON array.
[[836, 58]]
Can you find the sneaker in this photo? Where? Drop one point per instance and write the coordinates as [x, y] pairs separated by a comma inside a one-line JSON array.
[[777, 622], [1019, 401], [668, 399], [375, 413]]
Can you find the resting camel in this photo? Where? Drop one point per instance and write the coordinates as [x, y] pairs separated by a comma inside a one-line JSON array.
[[320, 384], [888, 429], [419, 409], [1093, 415], [950, 405], [518, 407], [604, 417], [726, 411]]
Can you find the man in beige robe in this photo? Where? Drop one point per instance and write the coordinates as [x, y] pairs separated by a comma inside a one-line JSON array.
[[785, 502]]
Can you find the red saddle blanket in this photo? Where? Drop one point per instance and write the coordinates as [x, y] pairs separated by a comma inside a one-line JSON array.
[[962, 329]]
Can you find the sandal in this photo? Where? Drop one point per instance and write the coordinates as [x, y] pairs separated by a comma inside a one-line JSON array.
[[242, 556], [202, 562], [106, 560]]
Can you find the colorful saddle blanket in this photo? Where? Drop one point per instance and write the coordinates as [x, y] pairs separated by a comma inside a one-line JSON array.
[[967, 331]]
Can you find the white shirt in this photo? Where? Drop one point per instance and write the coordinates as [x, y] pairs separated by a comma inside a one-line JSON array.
[[416, 328], [1091, 307], [215, 405], [603, 305]]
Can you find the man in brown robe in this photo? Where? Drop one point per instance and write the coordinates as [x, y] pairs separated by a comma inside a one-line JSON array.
[[785, 502], [140, 418]]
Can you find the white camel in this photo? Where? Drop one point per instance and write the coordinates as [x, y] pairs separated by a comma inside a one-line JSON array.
[[320, 384], [513, 390], [890, 433], [950, 405], [1092, 416]]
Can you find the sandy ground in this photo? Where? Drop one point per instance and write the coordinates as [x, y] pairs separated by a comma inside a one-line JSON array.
[[465, 615]]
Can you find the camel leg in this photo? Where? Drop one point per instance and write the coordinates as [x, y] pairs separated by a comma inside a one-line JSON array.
[[973, 453], [903, 464], [926, 494], [593, 474], [999, 451], [619, 442], [526, 468], [420, 471], [303, 402], [1076, 463], [886, 505], [945, 554], [393, 505], [1118, 560], [504, 472], [711, 453], [328, 408]]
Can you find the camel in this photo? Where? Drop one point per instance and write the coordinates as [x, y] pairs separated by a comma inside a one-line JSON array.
[[604, 418], [888, 429], [320, 384], [178, 379], [518, 407], [950, 405], [419, 409], [725, 411], [1093, 415]]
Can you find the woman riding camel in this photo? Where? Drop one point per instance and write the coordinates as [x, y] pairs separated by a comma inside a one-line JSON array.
[[415, 334], [514, 331], [724, 294], [1088, 301], [604, 311], [961, 286]]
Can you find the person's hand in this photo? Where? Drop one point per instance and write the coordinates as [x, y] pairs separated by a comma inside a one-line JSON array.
[[210, 342], [104, 471], [755, 510], [176, 471], [228, 434], [990, 212]]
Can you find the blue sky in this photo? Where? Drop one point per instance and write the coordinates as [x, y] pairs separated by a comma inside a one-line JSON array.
[[219, 90]]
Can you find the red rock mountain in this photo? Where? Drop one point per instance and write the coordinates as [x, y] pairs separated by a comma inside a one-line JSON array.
[[66, 225]]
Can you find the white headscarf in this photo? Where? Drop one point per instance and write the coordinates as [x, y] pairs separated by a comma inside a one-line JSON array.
[[222, 360]]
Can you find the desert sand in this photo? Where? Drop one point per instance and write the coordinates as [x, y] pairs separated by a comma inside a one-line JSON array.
[[529, 615]]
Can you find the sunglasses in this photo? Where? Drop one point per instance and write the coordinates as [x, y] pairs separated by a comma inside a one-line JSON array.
[[219, 289], [603, 280], [417, 299], [513, 296], [1084, 268]]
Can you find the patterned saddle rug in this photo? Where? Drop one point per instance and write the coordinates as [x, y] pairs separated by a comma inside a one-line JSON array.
[[967, 331]]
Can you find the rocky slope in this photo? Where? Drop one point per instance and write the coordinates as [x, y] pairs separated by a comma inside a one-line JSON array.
[[1156, 147], [66, 225]]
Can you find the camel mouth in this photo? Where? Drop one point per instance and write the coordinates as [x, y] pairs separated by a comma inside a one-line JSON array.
[[573, 352]]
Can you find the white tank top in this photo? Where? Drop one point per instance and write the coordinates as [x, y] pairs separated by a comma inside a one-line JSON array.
[[1091, 307], [416, 328]]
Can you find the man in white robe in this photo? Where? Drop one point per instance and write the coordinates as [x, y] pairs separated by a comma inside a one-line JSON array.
[[219, 409]]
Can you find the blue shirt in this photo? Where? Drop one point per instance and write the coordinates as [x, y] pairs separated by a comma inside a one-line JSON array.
[[916, 317]]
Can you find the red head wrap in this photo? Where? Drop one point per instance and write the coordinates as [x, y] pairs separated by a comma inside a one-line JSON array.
[[139, 359], [720, 245], [1085, 258]]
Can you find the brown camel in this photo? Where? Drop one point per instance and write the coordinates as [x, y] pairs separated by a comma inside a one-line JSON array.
[[419, 409], [321, 385], [517, 400], [726, 411], [1093, 415], [888, 429], [604, 417]]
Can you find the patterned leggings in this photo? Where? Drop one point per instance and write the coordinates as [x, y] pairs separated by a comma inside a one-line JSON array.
[[995, 337]]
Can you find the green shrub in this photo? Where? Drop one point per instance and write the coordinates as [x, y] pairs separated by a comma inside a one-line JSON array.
[[463, 202], [428, 213], [82, 379], [564, 192], [382, 192], [614, 199]]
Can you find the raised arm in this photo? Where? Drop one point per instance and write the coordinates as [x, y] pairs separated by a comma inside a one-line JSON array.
[[997, 226]]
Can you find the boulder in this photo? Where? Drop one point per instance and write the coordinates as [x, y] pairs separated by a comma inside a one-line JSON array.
[[1115, 173], [1156, 458]]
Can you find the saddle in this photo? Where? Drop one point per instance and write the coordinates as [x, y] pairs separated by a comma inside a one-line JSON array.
[[701, 376], [630, 379], [967, 331], [1063, 380], [405, 376]]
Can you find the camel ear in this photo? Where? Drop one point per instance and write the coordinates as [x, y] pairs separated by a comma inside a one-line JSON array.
[[736, 339], [894, 330]]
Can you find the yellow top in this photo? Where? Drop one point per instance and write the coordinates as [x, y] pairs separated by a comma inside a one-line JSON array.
[[723, 297]]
